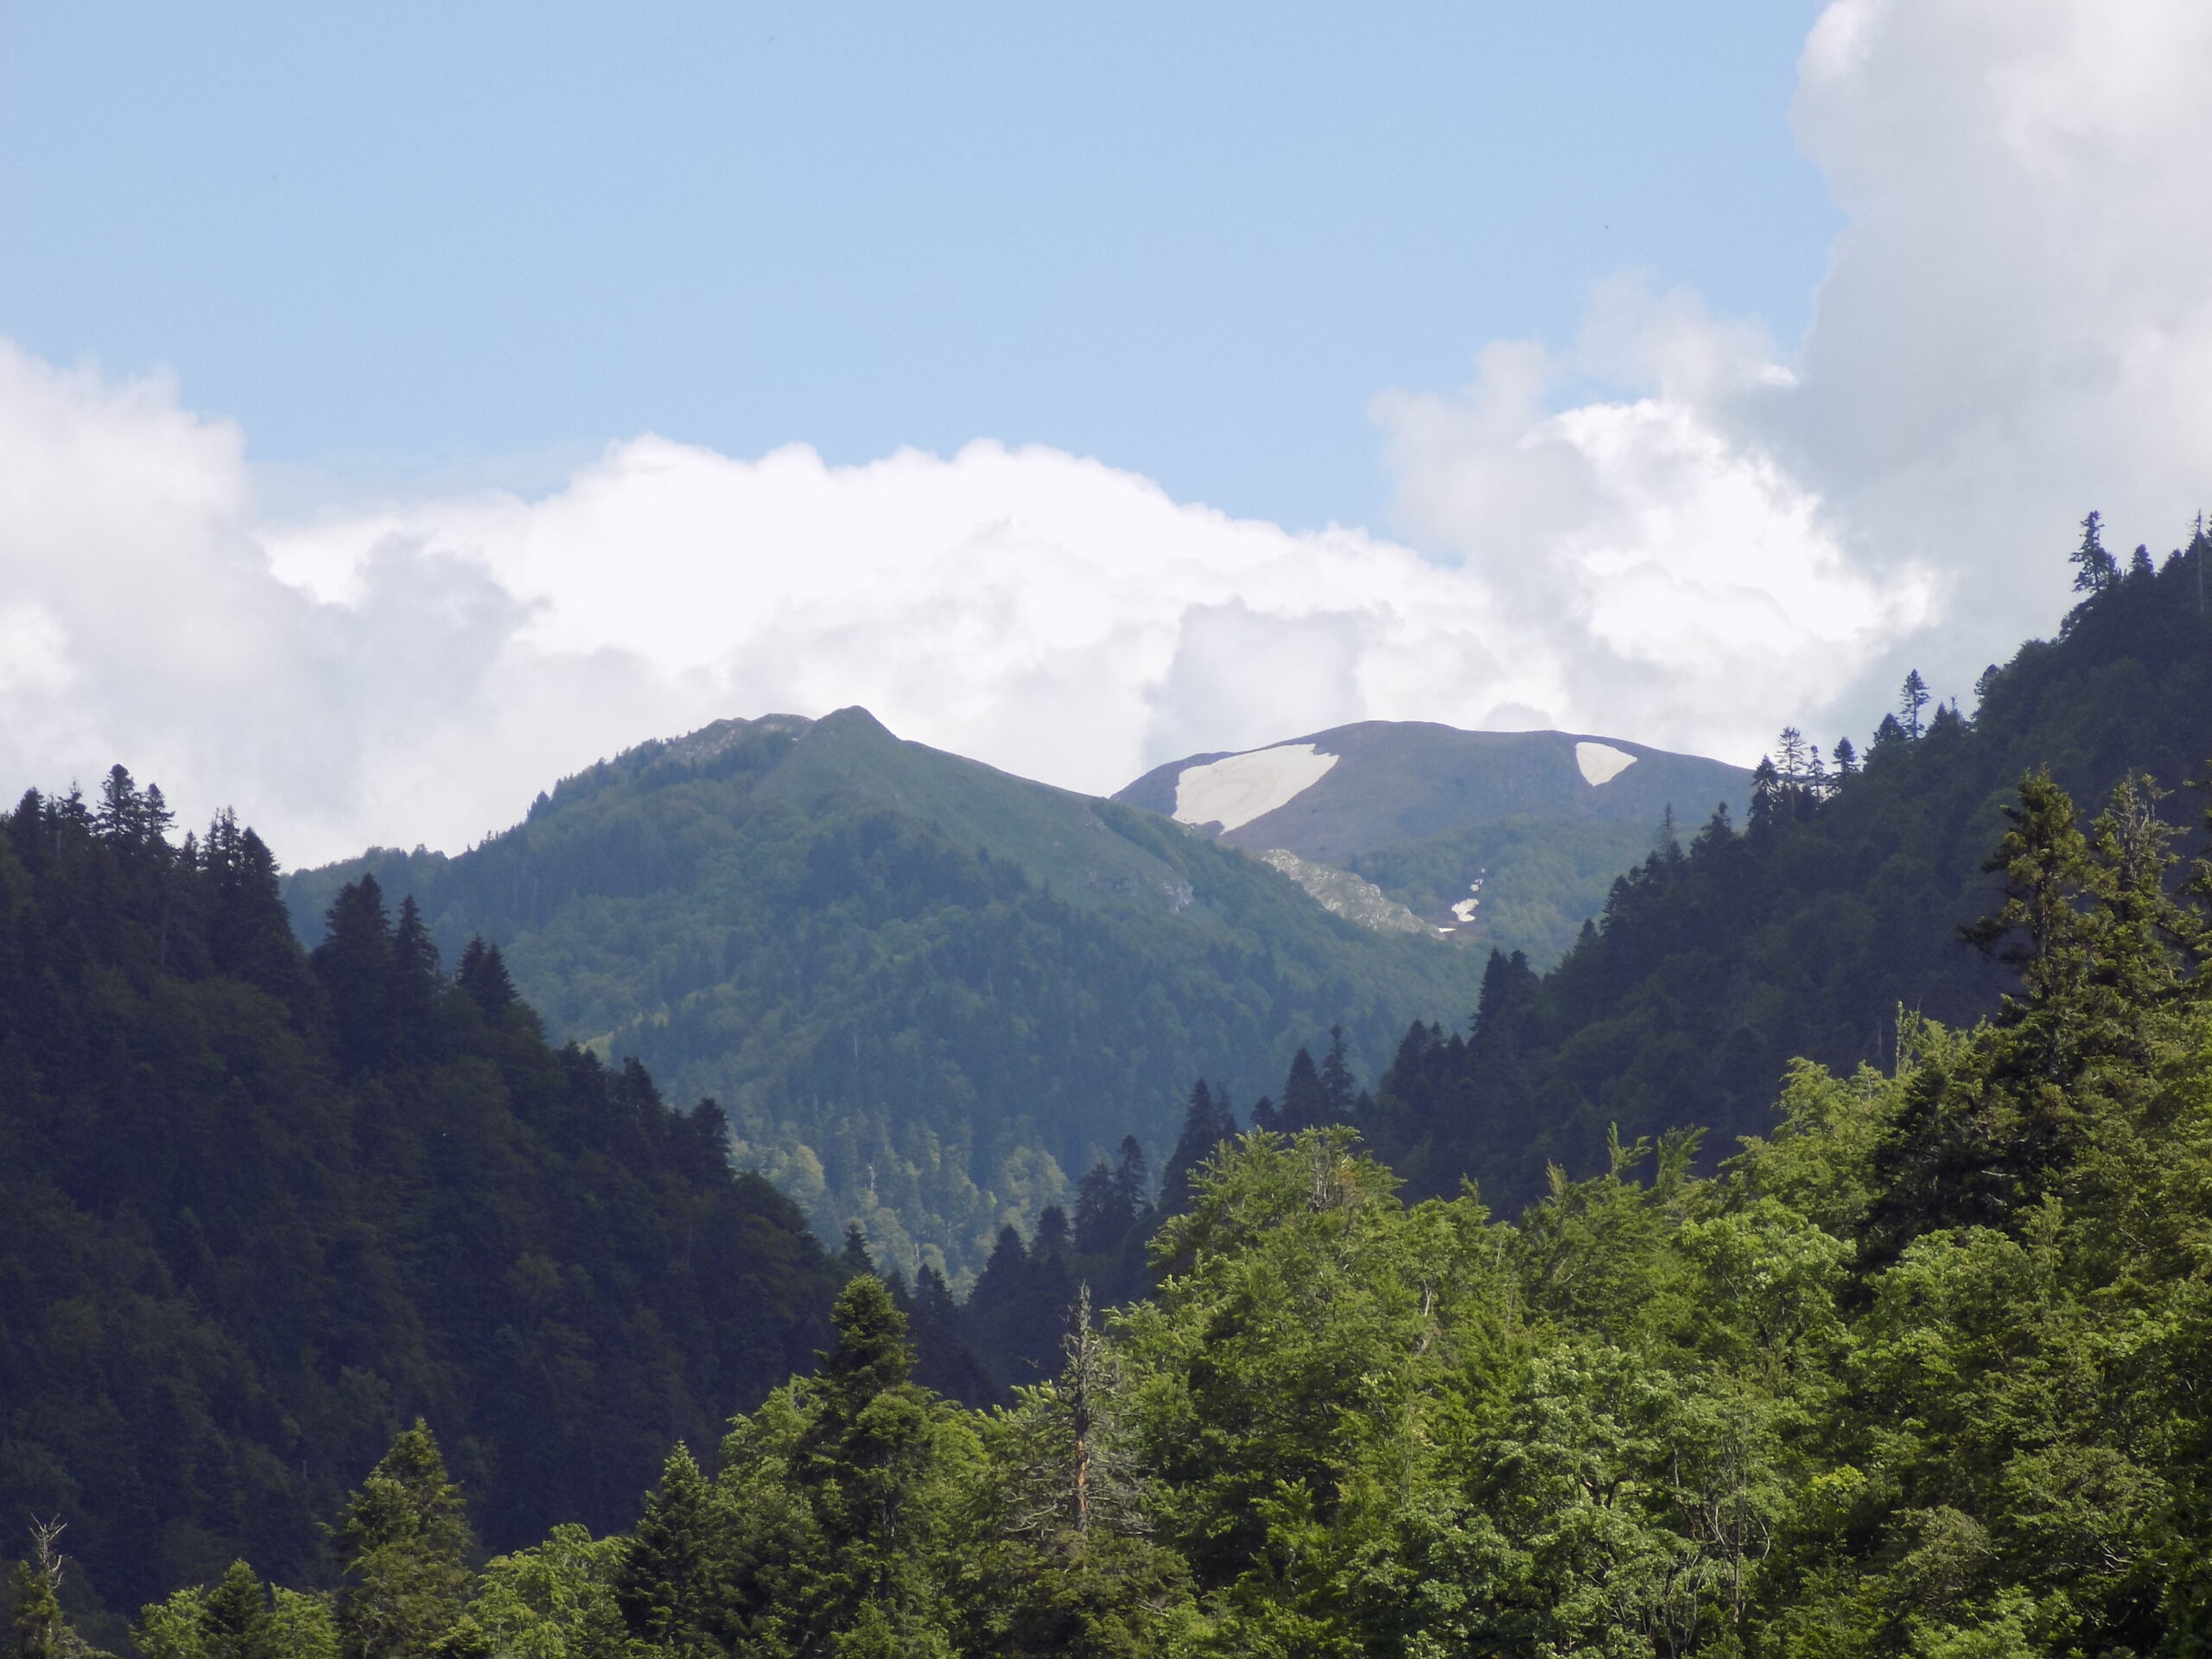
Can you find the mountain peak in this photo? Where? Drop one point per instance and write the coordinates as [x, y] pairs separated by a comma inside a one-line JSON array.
[[1336, 794]]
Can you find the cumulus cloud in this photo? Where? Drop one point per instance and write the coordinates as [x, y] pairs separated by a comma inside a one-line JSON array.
[[2013, 330]]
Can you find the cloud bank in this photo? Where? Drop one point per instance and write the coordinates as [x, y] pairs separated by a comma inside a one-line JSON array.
[[1722, 536]]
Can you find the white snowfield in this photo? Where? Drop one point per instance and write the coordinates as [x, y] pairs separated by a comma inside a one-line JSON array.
[[1239, 788], [1601, 762]]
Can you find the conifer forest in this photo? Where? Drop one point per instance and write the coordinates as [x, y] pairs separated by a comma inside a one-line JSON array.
[[1815, 1261]]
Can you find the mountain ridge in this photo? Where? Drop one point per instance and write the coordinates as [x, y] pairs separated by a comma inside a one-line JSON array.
[[928, 993], [1505, 839]]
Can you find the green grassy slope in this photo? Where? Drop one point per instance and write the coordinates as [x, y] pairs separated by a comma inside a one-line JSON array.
[[928, 993]]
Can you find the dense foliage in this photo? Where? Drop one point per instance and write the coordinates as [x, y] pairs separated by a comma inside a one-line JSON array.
[[1923, 1372], [929, 994], [1801, 931], [258, 1210]]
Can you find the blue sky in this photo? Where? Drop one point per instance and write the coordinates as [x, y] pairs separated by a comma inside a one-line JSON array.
[[410, 240]]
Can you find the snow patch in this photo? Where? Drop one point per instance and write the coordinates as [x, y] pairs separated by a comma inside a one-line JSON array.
[[1601, 762], [1465, 909], [1242, 787]]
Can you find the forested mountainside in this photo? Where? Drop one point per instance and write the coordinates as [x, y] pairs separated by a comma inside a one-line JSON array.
[[1803, 933], [1505, 840], [928, 993], [1920, 1373], [258, 1210]]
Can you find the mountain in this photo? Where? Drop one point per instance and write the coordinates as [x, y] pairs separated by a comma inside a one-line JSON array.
[[1505, 839], [928, 993], [259, 1211], [1836, 907]]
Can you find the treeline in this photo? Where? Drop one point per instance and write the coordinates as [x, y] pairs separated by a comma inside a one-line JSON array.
[[260, 1207], [1923, 1372]]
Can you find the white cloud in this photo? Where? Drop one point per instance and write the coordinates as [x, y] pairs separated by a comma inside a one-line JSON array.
[[2018, 324], [2014, 329]]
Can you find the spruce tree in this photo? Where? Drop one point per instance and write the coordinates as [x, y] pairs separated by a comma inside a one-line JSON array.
[[1767, 794], [1207, 1123], [1052, 1232], [483, 975], [406, 1547], [1305, 1101], [2096, 570], [2097, 941], [1102, 1211], [1132, 1180], [249, 934], [235, 1620], [120, 819], [416, 983], [1789, 758], [867, 1459], [354, 963], [1339, 1095], [1912, 697], [853, 1260], [673, 1585]]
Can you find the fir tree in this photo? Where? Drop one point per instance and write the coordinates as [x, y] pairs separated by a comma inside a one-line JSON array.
[[406, 1546], [415, 981], [2096, 570], [1767, 795], [1207, 1123], [1912, 697], [354, 963], [853, 1260], [125, 817], [483, 975], [868, 1459], [1305, 1100], [1102, 1211], [249, 935], [236, 1621], [1790, 759], [1339, 1095], [1132, 1181], [672, 1586]]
